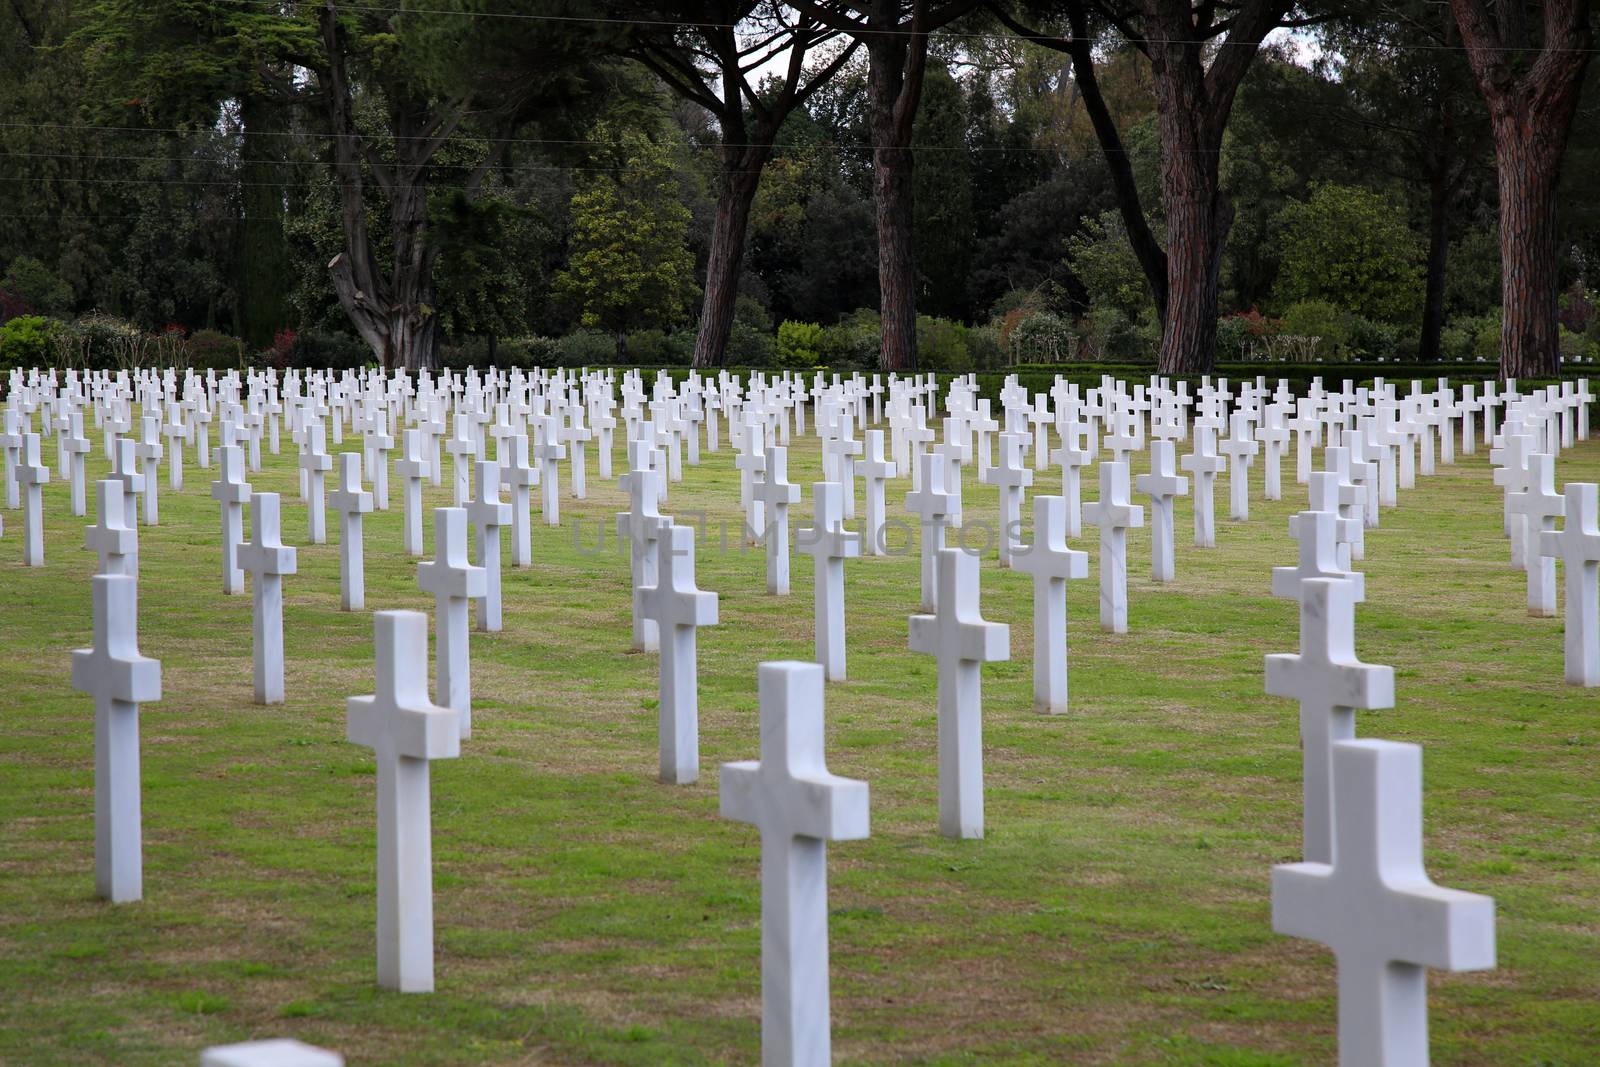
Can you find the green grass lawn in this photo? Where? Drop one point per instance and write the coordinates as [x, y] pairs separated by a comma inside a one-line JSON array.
[[1117, 911]]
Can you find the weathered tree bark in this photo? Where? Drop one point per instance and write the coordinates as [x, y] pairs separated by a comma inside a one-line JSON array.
[[726, 260], [264, 262], [1532, 96], [897, 59], [1193, 102]]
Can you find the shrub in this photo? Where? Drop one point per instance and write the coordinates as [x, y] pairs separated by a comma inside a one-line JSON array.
[[1111, 334], [327, 350], [799, 344], [1369, 340], [854, 341], [37, 286], [1455, 343], [214, 350], [984, 348], [1486, 336], [941, 345], [586, 348], [1041, 337], [660, 348], [1350, 245], [1317, 318], [749, 345], [28, 341]]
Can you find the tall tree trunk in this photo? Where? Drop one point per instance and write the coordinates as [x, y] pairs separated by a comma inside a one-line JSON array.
[[1529, 167], [1532, 95], [894, 88], [739, 182], [264, 262], [1438, 253], [1199, 216]]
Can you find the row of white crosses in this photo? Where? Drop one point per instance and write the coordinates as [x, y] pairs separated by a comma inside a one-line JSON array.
[[1531, 436], [1361, 888]]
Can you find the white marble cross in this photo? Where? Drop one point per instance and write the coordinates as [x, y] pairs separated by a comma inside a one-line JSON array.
[[931, 504], [149, 452], [231, 492], [829, 544], [275, 1052], [639, 527], [1273, 435], [463, 452], [1578, 546], [1331, 685], [1073, 459], [176, 433], [1115, 517], [111, 536], [549, 452], [76, 447], [1051, 563], [1162, 485], [351, 502], [314, 464], [119, 679], [453, 581], [267, 560], [378, 444], [1373, 904], [962, 642], [678, 609], [1010, 478], [33, 475], [1204, 464], [488, 514], [1318, 535], [751, 462], [776, 493], [413, 468], [11, 446], [405, 730], [1538, 506], [1240, 450], [517, 475], [798, 806], [875, 470]]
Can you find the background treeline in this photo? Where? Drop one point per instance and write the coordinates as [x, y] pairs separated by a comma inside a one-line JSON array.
[[942, 185]]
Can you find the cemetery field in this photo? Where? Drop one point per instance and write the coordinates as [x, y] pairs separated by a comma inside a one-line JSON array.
[[1116, 913]]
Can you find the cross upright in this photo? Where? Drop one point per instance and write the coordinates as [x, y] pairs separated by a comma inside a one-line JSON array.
[[314, 464], [111, 536], [518, 475], [1115, 517], [1331, 685], [576, 436], [413, 469], [678, 609], [1578, 545], [1318, 535], [961, 641], [1537, 507], [875, 471], [119, 679], [11, 445], [1010, 478], [267, 560], [463, 451], [776, 493], [351, 502], [405, 730], [639, 527], [76, 447], [1204, 464], [751, 463], [176, 433], [549, 452], [931, 504], [231, 492], [799, 807], [1051, 563], [1073, 459], [1374, 905], [33, 475], [452, 580], [829, 544], [1162, 485], [1273, 435], [149, 453], [378, 444], [1240, 449], [488, 513], [955, 451]]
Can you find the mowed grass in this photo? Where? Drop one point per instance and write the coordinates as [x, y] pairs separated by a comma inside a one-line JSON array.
[[1116, 912]]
